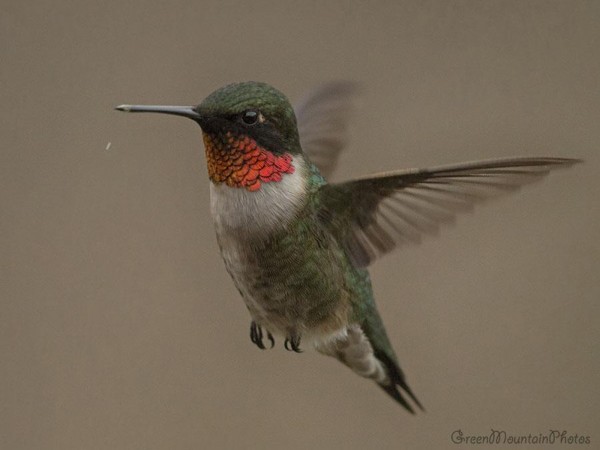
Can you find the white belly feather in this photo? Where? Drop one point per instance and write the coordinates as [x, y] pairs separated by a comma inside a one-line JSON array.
[[241, 216]]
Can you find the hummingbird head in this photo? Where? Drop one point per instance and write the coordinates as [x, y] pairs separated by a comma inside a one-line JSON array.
[[249, 130], [251, 109]]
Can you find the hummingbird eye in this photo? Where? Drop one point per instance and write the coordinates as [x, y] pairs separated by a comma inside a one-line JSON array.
[[252, 117]]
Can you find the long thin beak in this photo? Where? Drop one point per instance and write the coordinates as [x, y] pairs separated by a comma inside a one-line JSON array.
[[185, 111]]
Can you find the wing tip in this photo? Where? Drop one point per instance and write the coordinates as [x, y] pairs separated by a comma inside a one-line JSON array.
[[558, 161]]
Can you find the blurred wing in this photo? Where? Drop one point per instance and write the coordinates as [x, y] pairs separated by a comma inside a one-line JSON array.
[[373, 215], [323, 122]]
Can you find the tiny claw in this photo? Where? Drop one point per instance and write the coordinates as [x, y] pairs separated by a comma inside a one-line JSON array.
[[260, 338], [292, 344], [270, 337], [256, 336]]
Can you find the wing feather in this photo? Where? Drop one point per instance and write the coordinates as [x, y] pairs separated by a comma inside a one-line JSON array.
[[323, 118], [373, 215]]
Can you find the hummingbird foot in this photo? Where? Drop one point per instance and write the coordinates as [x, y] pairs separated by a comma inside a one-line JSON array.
[[256, 336], [292, 343]]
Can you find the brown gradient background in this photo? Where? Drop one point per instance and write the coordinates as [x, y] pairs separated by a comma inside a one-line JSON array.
[[120, 328]]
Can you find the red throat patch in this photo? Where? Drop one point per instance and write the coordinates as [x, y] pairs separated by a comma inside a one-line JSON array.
[[238, 161]]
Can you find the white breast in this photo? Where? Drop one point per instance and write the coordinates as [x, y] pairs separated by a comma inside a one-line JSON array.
[[240, 212], [241, 216]]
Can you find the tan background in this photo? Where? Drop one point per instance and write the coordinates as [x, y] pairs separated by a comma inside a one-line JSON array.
[[119, 327]]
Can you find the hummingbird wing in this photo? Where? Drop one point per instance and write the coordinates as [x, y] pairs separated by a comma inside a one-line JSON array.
[[322, 118], [375, 214]]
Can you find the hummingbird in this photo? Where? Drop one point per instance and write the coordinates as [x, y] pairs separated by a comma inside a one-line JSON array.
[[297, 247]]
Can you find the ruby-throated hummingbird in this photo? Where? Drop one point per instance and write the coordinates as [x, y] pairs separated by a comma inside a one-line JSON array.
[[297, 247]]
